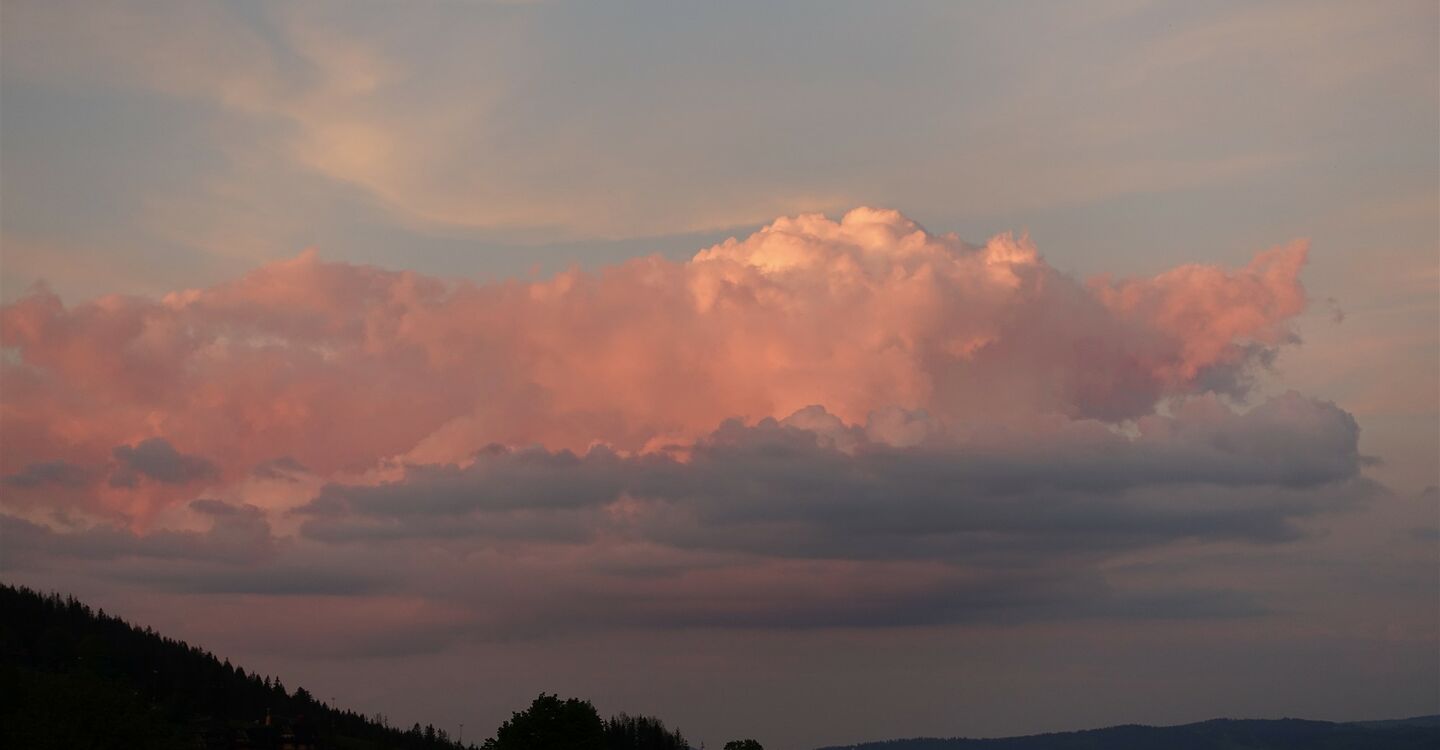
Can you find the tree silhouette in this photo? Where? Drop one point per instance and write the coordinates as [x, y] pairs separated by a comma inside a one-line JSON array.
[[551, 724], [626, 732], [743, 745]]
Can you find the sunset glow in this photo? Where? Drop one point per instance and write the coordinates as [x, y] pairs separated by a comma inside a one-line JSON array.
[[449, 353]]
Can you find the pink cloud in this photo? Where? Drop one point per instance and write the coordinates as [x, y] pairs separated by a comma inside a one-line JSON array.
[[342, 368], [1209, 310]]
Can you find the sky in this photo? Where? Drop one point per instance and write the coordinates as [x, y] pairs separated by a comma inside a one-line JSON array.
[[812, 372]]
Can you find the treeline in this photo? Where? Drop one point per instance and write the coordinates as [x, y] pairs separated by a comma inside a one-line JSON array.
[[76, 677]]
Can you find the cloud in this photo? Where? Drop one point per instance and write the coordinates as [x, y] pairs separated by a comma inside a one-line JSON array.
[[263, 580], [44, 473], [776, 489], [237, 535], [307, 359], [809, 522], [283, 468], [828, 423], [158, 460]]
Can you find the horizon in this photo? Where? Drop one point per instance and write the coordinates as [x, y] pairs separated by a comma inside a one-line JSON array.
[[817, 372], [58, 600]]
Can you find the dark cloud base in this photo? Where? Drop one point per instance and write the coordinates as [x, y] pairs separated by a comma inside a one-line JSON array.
[[802, 523]]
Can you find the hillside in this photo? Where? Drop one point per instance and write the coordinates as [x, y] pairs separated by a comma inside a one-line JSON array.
[[1419, 733], [79, 678]]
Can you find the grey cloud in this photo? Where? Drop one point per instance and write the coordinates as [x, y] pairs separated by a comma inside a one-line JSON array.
[[807, 522], [778, 490], [1009, 597], [281, 579], [283, 468], [43, 473], [574, 526], [1237, 378], [532, 478], [238, 535], [156, 459], [793, 524]]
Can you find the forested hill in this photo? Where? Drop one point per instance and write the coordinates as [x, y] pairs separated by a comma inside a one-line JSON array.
[[1421, 733], [77, 678]]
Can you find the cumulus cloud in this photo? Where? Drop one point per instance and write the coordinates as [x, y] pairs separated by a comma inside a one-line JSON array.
[[307, 359], [829, 422]]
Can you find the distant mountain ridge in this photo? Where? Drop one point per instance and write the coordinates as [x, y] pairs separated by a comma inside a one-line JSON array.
[[1417, 733]]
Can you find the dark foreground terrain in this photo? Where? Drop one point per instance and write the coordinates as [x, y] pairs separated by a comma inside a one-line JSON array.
[[73, 677]]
